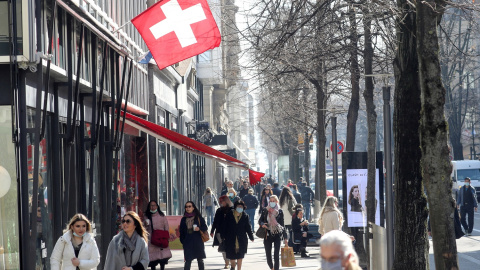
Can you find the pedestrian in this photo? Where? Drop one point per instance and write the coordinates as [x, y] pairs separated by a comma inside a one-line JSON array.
[[219, 224], [191, 226], [287, 203], [337, 252], [243, 190], [270, 180], [265, 198], [232, 195], [155, 220], [330, 216], [209, 202], [237, 228], [354, 199], [296, 193], [307, 196], [224, 187], [259, 188], [229, 186], [467, 203], [276, 190], [251, 204], [128, 250], [300, 232], [76, 248], [272, 220]]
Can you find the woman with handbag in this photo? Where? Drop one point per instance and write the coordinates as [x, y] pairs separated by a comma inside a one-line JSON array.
[[192, 229], [157, 227], [300, 231], [237, 227], [271, 220], [287, 202], [218, 226], [76, 248]]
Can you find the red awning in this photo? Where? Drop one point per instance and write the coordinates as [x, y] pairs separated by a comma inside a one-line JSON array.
[[186, 144]]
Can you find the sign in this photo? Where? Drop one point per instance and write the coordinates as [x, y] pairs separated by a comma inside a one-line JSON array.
[[340, 147], [230, 152], [174, 231], [328, 153], [301, 138], [357, 197]]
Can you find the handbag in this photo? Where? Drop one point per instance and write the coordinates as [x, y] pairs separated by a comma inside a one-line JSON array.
[[203, 234], [159, 238], [288, 258], [261, 233]]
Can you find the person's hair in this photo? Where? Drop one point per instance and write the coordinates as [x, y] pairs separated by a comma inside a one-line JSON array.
[[274, 197], [330, 202], [350, 195], [229, 182], [250, 191], [239, 202], [231, 190], [270, 191], [207, 190], [76, 218], [195, 209], [468, 178], [294, 187], [275, 185], [225, 198], [297, 211], [285, 196], [289, 180], [148, 214], [341, 240], [138, 225]]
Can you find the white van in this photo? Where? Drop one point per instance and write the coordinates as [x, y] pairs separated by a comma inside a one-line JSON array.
[[466, 168]]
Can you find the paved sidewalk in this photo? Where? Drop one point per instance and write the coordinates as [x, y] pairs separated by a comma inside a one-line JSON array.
[[254, 258]]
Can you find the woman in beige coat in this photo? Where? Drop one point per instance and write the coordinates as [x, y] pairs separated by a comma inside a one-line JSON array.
[[330, 217]]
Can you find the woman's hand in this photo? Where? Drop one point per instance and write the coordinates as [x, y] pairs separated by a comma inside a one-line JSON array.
[[127, 268], [196, 229], [75, 262], [286, 243], [253, 240], [211, 235], [264, 226]]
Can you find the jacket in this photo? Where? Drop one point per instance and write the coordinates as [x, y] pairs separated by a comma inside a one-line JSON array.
[[277, 191], [329, 221], [193, 246], [243, 192], [460, 201], [264, 221], [234, 230], [288, 210], [213, 200], [250, 201], [63, 253], [307, 194], [156, 253], [298, 229], [115, 259]]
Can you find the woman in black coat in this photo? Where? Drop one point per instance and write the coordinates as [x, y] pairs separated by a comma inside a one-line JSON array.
[[190, 226], [300, 231], [226, 206], [271, 218], [237, 227]]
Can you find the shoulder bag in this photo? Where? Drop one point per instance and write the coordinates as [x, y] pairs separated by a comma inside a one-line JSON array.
[[204, 234], [159, 238]]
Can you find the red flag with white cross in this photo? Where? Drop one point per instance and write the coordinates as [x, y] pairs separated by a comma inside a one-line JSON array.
[[175, 30]]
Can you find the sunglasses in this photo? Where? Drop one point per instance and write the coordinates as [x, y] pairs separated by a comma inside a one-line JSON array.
[[128, 221], [188, 206]]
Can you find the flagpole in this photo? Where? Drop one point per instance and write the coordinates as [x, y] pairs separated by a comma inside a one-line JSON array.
[[122, 26]]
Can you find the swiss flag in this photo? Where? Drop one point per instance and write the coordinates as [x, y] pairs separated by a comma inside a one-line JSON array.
[[175, 30]]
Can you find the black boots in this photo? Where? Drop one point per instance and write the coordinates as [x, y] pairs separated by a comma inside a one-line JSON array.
[[304, 252]]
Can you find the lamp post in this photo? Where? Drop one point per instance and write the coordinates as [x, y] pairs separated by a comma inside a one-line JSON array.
[[387, 129]]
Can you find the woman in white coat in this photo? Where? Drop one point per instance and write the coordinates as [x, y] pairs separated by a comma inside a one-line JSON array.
[[76, 249]]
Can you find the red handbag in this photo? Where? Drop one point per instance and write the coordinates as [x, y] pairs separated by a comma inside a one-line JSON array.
[[159, 238]]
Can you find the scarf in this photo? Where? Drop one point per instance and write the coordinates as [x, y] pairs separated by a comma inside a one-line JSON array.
[[273, 225], [189, 215], [130, 244], [189, 222], [237, 219]]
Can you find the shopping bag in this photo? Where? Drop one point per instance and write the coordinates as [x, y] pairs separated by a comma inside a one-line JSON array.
[[288, 259]]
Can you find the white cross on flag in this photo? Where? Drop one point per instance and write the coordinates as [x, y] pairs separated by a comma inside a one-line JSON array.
[[175, 30]]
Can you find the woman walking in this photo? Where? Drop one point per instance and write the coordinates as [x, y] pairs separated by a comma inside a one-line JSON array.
[[128, 250], [219, 224], [155, 220], [265, 198], [330, 217], [296, 193], [251, 204], [232, 195], [76, 248], [287, 203], [271, 219], [209, 202], [300, 231], [237, 227], [191, 227]]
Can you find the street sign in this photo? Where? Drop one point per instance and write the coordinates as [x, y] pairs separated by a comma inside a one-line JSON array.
[[301, 147], [230, 152], [340, 147], [327, 153]]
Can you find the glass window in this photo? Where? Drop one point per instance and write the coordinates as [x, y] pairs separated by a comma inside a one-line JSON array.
[[161, 168], [175, 168], [5, 24]]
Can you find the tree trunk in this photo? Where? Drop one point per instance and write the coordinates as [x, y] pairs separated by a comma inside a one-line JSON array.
[[411, 241], [436, 167], [352, 115], [320, 178], [457, 145]]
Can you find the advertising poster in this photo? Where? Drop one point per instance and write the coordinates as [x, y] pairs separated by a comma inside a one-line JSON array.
[[357, 195], [174, 230]]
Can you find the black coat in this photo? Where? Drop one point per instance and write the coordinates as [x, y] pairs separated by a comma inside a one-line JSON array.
[[233, 231], [219, 223], [193, 246], [298, 229], [263, 220], [277, 191], [243, 192], [250, 201]]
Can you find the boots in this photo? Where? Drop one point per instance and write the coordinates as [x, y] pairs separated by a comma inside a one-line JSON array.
[[304, 252]]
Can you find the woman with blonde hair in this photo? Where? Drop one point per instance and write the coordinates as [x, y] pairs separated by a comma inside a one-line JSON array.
[[76, 248], [209, 204], [330, 217], [232, 195], [128, 249]]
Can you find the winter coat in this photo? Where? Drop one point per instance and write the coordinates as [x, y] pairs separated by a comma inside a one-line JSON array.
[[212, 198], [265, 199], [236, 199], [277, 191], [329, 221], [63, 253], [287, 208], [243, 192], [193, 246], [298, 229], [219, 223], [115, 259], [297, 195], [250, 201], [233, 231], [307, 194], [264, 221], [156, 253], [460, 200]]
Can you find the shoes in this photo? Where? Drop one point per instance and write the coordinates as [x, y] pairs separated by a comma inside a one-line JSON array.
[[305, 255]]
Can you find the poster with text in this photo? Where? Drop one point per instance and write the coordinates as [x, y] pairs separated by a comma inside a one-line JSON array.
[[357, 195], [174, 230]]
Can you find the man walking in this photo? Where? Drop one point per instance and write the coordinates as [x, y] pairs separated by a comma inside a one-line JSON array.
[[307, 197], [467, 202]]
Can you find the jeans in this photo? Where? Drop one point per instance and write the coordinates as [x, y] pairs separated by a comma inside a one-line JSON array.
[[251, 215], [188, 264], [210, 215], [306, 208], [464, 211], [275, 240]]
